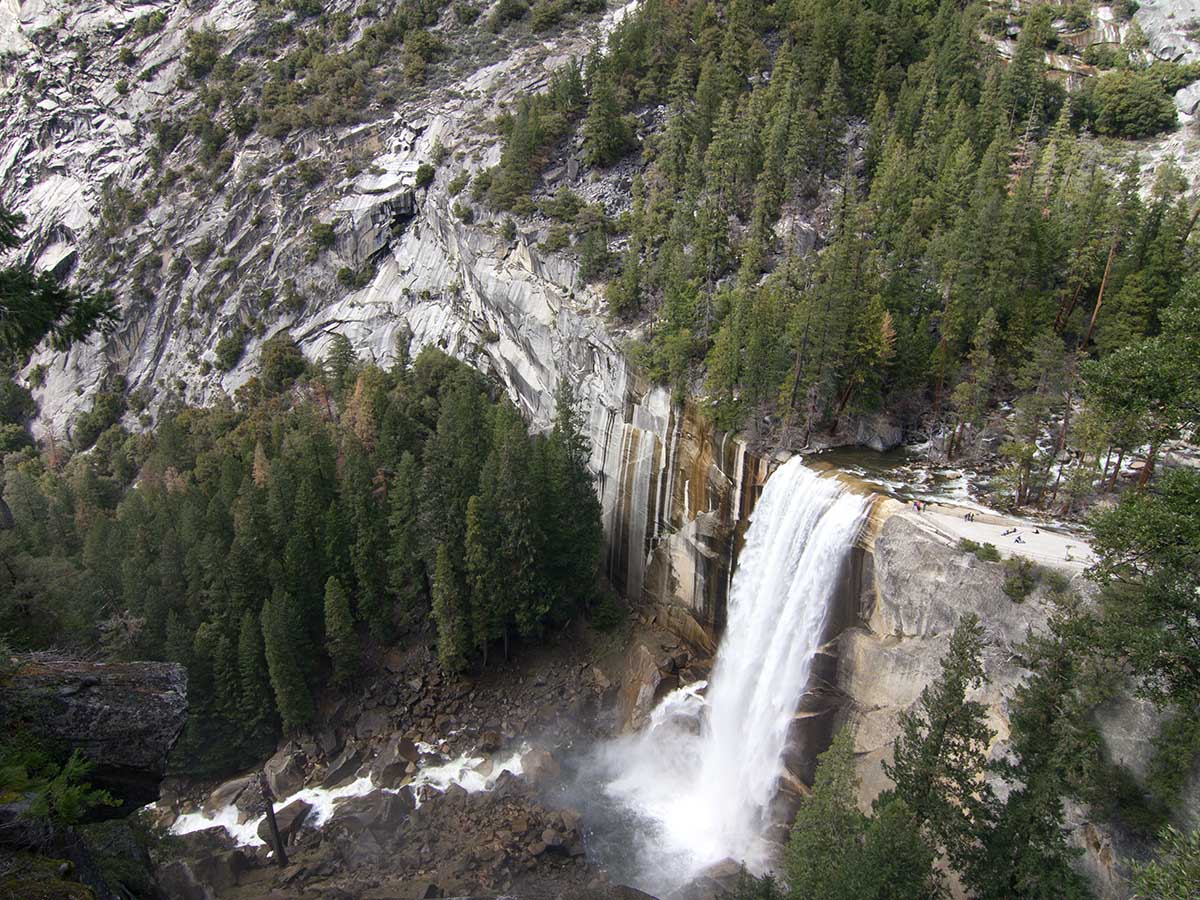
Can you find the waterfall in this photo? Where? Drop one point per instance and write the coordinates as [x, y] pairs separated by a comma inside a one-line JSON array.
[[698, 780]]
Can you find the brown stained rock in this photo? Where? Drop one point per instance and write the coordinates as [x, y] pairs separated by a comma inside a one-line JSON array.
[[229, 793], [489, 742]]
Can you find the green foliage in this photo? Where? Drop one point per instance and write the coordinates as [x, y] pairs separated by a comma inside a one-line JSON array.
[[1175, 873], [322, 235], [1021, 577], [280, 363], [1131, 104], [286, 646], [34, 306], [268, 545], [107, 407], [58, 791], [229, 349], [531, 131], [1148, 549], [424, 175], [506, 12], [202, 52], [941, 752], [835, 851], [983, 552], [607, 134], [340, 641]]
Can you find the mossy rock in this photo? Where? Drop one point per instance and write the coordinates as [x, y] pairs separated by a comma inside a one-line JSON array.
[[32, 877], [42, 889]]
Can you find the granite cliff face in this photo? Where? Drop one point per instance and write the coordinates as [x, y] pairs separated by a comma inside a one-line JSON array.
[[919, 588]]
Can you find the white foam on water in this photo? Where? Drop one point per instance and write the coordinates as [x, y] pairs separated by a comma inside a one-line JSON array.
[[439, 776]]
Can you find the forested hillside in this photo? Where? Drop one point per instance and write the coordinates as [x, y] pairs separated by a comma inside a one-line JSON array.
[[267, 545], [982, 247]]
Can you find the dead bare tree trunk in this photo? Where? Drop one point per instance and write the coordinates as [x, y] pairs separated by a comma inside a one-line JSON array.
[[1112, 250], [281, 859]]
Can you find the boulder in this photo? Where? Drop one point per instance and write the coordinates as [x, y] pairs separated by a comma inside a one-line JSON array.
[[290, 819], [639, 687], [178, 880], [370, 723], [489, 742], [285, 772], [221, 870], [229, 793], [540, 766], [380, 811], [343, 768], [391, 767], [124, 717], [204, 842]]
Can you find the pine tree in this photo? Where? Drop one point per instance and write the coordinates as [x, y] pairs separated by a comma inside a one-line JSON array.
[[829, 828], [340, 641], [941, 753], [255, 695], [837, 853], [283, 640], [450, 613], [407, 580], [607, 135]]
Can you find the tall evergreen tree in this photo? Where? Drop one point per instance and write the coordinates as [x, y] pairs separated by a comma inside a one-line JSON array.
[[340, 641]]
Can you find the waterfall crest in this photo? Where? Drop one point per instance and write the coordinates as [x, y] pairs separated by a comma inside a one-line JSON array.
[[699, 778]]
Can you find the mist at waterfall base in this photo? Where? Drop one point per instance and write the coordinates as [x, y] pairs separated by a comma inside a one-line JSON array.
[[694, 786]]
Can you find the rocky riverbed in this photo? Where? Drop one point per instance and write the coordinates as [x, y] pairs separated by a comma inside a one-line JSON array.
[[426, 786]]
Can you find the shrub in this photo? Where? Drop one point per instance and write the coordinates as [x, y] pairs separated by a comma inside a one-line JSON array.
[[988, 553], [559, 238], [507, 11], [1023, 577], [546, 15], [122, 86], [202, 52], [1103, 57], [608, 612], [13, 437], [16, 403], [466, 13], [463, 212], [107, 408], [1077, 16], [424, 176], [563, 206], [280, 363], [457, 183], [309, 173], [322, 235], [1131, 105], [229, 350], [983, 552]]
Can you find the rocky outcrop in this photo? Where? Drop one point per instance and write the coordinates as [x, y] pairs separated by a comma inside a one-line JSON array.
[[920, 588], [124, 717]]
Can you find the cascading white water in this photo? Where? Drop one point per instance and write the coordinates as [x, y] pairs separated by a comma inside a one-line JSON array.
[[699, 778]]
